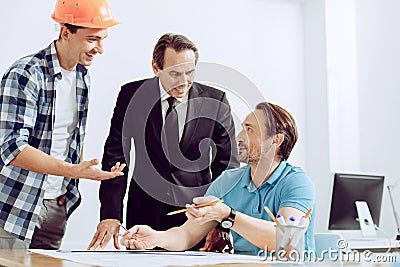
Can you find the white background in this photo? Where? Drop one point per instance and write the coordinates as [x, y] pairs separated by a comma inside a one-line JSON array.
[[332, 63]]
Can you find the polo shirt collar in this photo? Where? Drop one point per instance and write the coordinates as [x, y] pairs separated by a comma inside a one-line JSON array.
[[246, 180], [248, 183]]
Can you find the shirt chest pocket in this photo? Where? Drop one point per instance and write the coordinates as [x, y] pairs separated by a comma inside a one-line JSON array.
[[41, 132]]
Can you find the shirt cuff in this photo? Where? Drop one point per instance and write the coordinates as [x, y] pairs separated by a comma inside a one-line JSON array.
[[11, 148]]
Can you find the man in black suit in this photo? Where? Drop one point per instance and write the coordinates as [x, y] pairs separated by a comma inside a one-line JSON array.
[[183, 136]]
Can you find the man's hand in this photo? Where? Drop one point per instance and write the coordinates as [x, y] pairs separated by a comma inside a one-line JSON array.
[[140, 237], [217, 241], [197, 201], [105, 230], [87, 170], [216, 212], [32, 159]]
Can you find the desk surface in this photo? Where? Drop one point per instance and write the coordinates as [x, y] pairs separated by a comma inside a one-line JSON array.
[[23, 258], [19, 258]]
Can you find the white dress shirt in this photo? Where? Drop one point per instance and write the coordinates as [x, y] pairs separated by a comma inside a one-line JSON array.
[[181, 108]]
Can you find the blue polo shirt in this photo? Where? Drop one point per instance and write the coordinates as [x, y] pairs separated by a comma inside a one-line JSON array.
[[288, 186]]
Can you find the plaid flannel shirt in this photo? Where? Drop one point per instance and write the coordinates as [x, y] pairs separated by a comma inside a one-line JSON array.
[[27, 99]]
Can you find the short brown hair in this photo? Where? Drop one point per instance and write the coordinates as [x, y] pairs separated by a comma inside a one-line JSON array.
[[282, 123], [71, 28], [177, 42]]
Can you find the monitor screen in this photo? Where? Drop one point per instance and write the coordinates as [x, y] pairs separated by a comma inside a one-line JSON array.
[[348, 188]]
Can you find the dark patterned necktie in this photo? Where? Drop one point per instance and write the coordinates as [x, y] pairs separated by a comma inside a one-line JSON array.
[[171, 128], [171, 105]]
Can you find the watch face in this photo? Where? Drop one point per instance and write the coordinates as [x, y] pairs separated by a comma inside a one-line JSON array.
[[226, 224]]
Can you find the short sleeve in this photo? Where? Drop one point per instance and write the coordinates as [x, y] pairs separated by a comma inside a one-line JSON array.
[[298, 192]]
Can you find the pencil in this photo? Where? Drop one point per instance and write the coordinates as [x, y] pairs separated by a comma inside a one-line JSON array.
[[197, 206], [308, 213], [123, 227], [271, 215]]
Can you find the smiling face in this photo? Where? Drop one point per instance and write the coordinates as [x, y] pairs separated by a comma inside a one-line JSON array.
[[83, 45], [178, 71]]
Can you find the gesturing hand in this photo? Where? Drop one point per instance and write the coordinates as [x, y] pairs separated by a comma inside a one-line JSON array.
[[87, 170]]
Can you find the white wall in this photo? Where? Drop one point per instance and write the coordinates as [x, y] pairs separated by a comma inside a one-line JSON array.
[[342, 85], [351, 73], [263, 39], [316, 106], [378, 42]]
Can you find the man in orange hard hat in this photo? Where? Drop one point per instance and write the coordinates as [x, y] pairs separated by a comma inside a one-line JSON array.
[[43, 107]]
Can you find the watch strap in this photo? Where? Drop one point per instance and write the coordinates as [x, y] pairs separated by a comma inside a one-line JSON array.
[[230, 220], [232, 215]]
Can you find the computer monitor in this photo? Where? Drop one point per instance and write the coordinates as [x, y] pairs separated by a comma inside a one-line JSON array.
[[349, 188]]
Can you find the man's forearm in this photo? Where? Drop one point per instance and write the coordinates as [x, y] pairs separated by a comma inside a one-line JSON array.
[[184, 237], [259, 232], [35, 160], [174, 239], [111, 196], [179, 239]]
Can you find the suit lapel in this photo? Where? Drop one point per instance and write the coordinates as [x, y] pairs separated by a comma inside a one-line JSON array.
[[155, 118], [195, 102]]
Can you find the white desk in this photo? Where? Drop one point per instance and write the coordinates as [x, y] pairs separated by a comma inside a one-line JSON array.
[[19, 258]]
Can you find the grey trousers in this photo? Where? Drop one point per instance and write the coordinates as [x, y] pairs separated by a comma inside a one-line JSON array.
[[7, 241], [49, 230]]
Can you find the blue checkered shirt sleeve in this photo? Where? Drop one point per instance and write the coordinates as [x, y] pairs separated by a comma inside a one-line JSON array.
[[18, 112]]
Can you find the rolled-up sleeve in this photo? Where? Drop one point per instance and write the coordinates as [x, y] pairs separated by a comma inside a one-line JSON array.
[[18, 109]]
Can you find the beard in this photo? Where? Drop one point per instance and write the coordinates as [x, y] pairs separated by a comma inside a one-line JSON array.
[[250, 156], [243, 157]]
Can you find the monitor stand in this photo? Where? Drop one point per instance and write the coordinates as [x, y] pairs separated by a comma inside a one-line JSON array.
[[370, 239], [365, 219]]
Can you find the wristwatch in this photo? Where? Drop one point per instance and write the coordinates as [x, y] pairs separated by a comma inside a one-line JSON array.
[[228, 222]]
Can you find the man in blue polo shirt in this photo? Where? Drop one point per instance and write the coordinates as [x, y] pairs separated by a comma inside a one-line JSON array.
[[265, 143]]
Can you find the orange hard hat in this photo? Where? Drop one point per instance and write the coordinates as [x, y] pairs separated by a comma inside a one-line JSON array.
[[85, 13]]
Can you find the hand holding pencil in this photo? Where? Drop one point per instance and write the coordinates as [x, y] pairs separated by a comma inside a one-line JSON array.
[[207, 209], [197, 206]]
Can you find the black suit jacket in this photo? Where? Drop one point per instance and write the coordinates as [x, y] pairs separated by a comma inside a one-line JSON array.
[[160, 184]]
